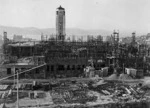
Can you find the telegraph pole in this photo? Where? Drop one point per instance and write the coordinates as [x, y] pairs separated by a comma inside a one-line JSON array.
[[14, 75], [17, 90]]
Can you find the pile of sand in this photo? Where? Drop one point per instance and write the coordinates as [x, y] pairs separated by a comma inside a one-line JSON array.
[[124, 77], [113, 77]]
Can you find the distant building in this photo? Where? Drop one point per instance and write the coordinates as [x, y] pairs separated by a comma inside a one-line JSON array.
[[148, 35], [60, 24], [100, 38], [42, 37], [1, 45], [20, 38], [126, 40], [17, 38], [109, 39], [133, 39], [1, 41], [28, 39]]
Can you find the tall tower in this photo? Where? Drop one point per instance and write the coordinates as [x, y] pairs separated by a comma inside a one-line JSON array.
[[60, 24]]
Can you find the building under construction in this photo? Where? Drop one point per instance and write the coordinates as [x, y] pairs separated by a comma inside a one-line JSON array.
[[57, 57], [68, 59], [65, 58]]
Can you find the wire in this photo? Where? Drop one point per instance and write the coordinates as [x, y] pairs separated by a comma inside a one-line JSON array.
[[23, 71]]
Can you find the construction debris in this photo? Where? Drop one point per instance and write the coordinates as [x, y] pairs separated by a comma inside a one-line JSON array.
[[69, 93]]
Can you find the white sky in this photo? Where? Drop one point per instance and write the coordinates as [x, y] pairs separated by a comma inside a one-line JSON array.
[[133, 15]]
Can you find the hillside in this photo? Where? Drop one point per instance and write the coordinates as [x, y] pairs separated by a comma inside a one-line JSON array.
[[36, 32]]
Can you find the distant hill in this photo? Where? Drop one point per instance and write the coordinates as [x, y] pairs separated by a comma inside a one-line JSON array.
[[36, 32]]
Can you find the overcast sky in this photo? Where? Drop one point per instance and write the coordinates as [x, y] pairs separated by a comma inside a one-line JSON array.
[[133, 15]]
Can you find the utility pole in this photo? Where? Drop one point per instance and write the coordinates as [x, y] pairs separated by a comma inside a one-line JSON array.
[[123, 69], [17, 90], [14, 74]]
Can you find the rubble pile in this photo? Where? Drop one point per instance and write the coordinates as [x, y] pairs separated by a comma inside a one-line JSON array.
[[110, 105], [71, 96], [101, 93], [94, 93], [76, 93], [121, 92]]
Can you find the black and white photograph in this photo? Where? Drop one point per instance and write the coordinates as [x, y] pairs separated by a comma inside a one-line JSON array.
[[74, 53]]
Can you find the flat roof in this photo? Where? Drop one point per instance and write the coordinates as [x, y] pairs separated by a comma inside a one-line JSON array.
[[24, 44]]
